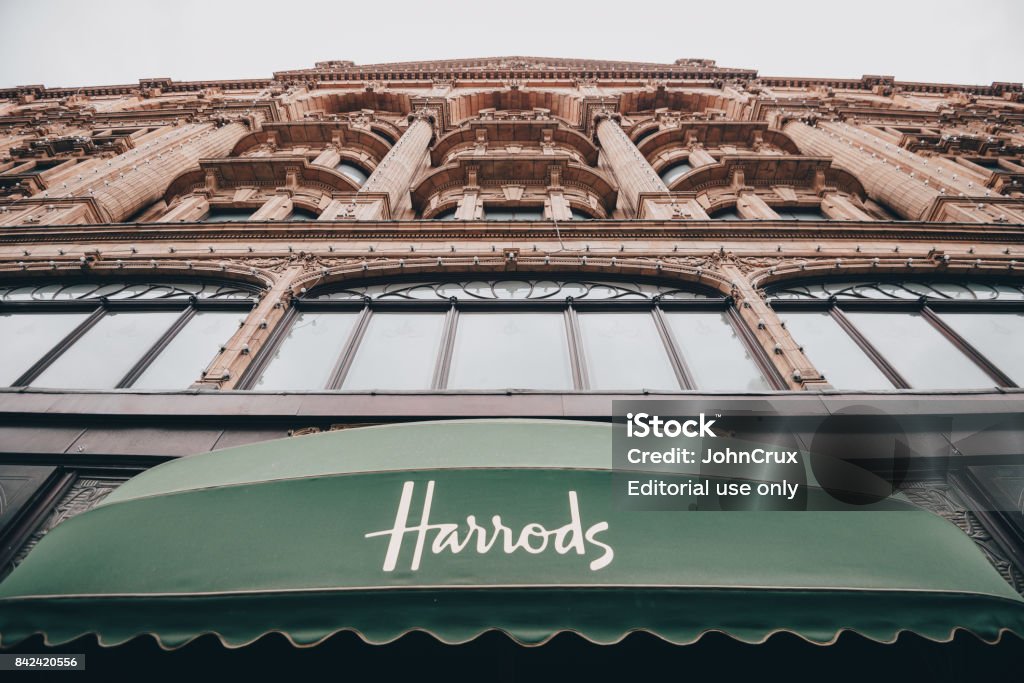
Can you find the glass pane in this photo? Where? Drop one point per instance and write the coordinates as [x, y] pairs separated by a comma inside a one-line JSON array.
[[675, 172], [184, 359], [358, 175], [522, 213], [714, 353], [26, 337], [834, 352], [625, 351], [105, 354], [919, 352], [307, 356], [511, 350], [225, 215], [398, 351], [999, 336]]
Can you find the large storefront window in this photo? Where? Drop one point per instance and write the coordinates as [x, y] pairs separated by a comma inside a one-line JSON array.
[[919, 335], [152, 335], [555, 335]]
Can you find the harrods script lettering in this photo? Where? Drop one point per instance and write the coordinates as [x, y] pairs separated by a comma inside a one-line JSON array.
[[451, 537]]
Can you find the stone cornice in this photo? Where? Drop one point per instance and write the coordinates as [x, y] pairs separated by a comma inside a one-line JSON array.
[[628, 230]]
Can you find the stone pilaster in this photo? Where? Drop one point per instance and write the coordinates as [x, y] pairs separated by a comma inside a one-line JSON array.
[[227, 368], [276, 208], [469, 208], [188, 210], [328, 158], [749, 205], [772, 335], [836, 206], [399, 167], [699, 157]]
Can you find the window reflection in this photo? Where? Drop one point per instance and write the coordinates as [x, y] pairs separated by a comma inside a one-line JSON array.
[[511, 350]]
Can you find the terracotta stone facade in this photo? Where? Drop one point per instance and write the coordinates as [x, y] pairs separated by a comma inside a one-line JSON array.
[[393, 166]]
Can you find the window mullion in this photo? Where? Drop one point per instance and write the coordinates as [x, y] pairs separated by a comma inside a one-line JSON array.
[[344, 361], [63, 345], [967, 349], [150, 355], [444, 352], [869, 349], [675, 356], [577, 358]]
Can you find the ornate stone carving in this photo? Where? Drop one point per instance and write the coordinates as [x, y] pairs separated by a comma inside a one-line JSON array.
[[943, 500], [84, 494]]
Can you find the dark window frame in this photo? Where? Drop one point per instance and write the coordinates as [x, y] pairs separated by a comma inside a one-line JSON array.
[[99, 307], [927, 307], [452, 307]]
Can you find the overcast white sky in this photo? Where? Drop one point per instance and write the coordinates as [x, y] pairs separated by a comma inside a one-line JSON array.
[[74, 42]]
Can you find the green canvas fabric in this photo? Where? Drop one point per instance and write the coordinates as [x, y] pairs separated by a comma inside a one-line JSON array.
[[295, 536]]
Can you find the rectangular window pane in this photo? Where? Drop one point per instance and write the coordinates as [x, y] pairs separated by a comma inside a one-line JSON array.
[[999, 336], [307, 356], [714, 353], [105, 354], [625, 351], [918, 351], [511, 350], [397, 351], [834, 353], [183, 360], [26, 337]]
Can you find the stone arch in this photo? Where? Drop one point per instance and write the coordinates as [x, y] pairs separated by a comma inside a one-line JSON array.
[[712, 134], [667, 271], [775, 271]]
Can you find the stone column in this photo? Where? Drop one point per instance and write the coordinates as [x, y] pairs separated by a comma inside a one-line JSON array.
[[399, 167], [631, 169], [909, 197], [136, 182]]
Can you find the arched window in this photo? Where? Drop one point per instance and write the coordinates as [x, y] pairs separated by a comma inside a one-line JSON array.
[[800, 213], [380, 132], [446, 215], [580, 214], [554, 335], [646, 134], [728, 214], [676, 171], [300, 214], [513, 213], [350, 170], [227, 214], [879, 334], [107, 335]]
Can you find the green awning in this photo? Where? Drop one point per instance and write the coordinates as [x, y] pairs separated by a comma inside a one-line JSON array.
[[304, 536]]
